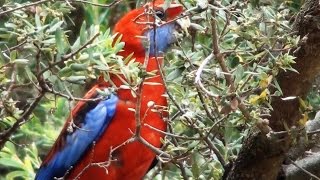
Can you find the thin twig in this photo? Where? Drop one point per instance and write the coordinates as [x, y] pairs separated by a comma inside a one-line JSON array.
[[14, 47], [138, 109], [52, 91], [154, 149], [70, 55], [22, 7], [70, 1], [210, 144], [314, 132], [4, 136], [172, 135], [191, 68], [97, 4], [220, 58], [198, 76]]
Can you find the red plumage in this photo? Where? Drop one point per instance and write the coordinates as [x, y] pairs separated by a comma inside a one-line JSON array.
[[132, 160]]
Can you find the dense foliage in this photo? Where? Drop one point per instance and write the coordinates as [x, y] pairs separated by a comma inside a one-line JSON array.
[[220, 77]]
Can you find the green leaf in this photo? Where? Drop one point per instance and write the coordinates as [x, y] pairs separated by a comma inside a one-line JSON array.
[[55, 27], [37, 21], [83, 33], [66, 71], [239, 72], [59, 36], [119, 46], [9, 147], [13, 55], [20, 61], [195, 167], [30, 75], [78, 67], [76, 79], [16, 174], [12, 162], [27, 163]]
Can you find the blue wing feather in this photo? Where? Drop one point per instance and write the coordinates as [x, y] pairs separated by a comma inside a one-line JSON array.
[[93, 125]]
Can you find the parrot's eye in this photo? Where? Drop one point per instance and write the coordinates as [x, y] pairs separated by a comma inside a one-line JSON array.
[[160, 14]]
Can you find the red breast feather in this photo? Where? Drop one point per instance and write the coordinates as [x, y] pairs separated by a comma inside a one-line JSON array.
[[132, 159]]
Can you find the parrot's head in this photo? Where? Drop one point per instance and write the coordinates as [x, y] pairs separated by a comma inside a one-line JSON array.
[[151, 28]]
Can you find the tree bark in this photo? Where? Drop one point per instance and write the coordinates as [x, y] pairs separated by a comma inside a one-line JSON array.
[[261, 157]]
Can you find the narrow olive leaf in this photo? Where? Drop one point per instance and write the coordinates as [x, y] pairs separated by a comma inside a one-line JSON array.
[[37, 21], [289, 98], [9, 148], [119, 47], [30, 75], [124, 87], [12, 162], [20, 61], [78, 67], [101, 67], [13, 55], [5, 36], [195, 167], [197, 27], [83, 33], [10, 25], [17, 175], [66, 71], [59, 41], [76, 45], [83, 56], [27, 163], [277, 85], [75, 79], [107, 32], [238, 73], [174, 74], [49, 41], [55, 27]]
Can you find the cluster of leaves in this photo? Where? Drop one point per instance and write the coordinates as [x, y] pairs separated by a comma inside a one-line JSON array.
[[220, 87], [41, 64], [254, 41]]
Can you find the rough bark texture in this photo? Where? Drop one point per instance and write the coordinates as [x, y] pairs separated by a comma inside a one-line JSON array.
[[262, 157]]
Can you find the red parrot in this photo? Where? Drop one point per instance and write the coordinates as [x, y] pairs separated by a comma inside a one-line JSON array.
[[92, 142]]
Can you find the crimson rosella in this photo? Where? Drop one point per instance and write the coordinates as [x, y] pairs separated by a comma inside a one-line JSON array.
[[96, 148]]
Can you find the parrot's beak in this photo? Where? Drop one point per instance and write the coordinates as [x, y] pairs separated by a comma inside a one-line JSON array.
[[184, 24]]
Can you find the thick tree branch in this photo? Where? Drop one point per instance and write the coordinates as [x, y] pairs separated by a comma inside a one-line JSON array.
[[297, 170], [261, 157]]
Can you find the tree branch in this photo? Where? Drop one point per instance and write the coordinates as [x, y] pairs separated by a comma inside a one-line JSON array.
[[267, 154], [69, 1]]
